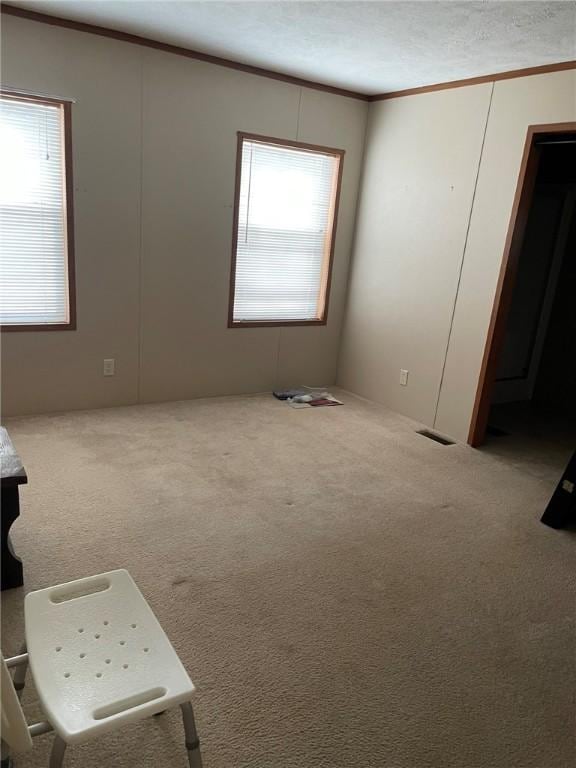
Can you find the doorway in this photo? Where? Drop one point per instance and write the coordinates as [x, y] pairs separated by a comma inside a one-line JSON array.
[[527, 386]]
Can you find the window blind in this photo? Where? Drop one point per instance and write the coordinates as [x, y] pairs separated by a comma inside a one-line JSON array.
[[33, 258], [283, 239]]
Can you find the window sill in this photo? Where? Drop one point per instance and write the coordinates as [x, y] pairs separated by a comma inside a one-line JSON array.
[[273, 323], [44, 327]]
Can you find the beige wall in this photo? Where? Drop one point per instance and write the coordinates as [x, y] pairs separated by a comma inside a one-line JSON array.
[[516, 105], [414, 264], [154, 157]]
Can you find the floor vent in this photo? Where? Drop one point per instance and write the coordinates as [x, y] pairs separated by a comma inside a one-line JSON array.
[[435, 437]]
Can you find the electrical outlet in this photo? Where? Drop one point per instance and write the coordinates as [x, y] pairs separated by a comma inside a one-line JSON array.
[[109, 367], [403, 377]]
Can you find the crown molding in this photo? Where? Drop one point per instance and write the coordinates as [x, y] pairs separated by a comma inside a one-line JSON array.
[[190, 53], [510, 75]]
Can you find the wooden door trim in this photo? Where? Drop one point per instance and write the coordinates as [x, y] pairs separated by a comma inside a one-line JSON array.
[[507, 277]]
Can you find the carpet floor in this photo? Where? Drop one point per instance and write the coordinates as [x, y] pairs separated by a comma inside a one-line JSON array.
[[536, 439], [344, 592]]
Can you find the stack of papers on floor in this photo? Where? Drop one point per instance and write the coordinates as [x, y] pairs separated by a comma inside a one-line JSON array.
[[307, 398]]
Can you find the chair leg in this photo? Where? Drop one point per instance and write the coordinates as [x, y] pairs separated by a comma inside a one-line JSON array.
[[57, 754], [5, 759], [20, 674], [192, 740]]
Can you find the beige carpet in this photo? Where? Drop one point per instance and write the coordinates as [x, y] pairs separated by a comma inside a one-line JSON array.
[[344, 592]]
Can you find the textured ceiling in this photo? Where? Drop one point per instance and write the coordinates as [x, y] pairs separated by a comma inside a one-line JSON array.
[[371, 47]]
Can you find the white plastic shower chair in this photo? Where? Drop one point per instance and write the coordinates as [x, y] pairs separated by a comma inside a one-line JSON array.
[[100, 660]]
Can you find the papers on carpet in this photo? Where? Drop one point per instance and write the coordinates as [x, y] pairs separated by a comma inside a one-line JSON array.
[[307, 398]]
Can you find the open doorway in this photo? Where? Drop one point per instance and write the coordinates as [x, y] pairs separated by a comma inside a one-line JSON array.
[[526, 403]]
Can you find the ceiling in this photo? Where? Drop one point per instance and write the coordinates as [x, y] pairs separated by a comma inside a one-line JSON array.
[[369, 47]]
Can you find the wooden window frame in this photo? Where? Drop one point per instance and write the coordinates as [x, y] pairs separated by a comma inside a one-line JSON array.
[[324, 293], [68, 189]]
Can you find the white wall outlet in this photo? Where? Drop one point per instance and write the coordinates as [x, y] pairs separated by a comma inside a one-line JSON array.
[[109, 367], [403, 377]]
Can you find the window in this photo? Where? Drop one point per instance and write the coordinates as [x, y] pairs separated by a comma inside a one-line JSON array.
[[284, 225], [36, 242]]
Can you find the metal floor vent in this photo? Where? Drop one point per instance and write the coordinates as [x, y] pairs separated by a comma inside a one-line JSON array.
[[435, 437]]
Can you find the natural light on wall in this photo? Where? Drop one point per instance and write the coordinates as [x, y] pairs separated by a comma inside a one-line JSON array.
[[33, 259], [285, 214]]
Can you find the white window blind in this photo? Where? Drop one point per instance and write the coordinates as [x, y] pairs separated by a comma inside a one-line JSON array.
[[283, 239], [33, 257]]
